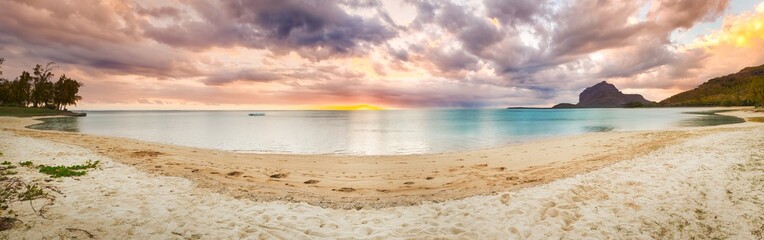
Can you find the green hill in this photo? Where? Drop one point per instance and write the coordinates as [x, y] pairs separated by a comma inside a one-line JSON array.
[[739, 89]]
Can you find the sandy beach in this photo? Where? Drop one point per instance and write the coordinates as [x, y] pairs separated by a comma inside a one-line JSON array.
[[351, 182], [680, 183]]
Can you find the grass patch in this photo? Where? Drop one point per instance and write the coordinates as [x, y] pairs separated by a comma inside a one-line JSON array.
[[26, 164], [29, 112], [15, 190], [31, 192], [5, 170], [68, 171]]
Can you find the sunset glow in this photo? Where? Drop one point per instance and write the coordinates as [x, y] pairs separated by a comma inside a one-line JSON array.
[[247, 54], [360, 107]]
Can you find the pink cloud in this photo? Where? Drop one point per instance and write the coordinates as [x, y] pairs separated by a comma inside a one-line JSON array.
[[454, 54]]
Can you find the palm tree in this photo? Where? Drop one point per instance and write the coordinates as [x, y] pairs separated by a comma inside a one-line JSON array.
[[65, 92]]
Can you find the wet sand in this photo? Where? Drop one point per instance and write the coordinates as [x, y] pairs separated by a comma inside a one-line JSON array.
[[372, 181], [706, 183]]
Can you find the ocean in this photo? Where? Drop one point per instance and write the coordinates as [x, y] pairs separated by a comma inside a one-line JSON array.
[[388, 132]]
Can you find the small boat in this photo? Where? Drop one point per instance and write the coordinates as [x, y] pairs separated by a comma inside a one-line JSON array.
[[78, 114], [256, 114]]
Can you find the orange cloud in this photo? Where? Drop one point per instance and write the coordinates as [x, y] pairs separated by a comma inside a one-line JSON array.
[[744, 30]]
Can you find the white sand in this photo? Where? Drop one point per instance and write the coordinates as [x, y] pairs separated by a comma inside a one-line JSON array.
[[707, 187]]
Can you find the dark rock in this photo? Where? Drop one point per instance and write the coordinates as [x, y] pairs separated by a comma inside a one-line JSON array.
[[565, 105], [604, 94]]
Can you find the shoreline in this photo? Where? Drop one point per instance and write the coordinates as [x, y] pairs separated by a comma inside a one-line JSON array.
[[356, 182], [716, 111], [708, 185]]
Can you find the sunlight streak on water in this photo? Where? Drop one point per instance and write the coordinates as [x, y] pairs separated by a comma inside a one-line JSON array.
[[371, 132]]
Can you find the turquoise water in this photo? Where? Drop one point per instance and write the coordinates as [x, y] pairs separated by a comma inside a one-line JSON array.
[[372, 132]]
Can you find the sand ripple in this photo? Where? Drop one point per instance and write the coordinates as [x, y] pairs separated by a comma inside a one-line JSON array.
[[709, 187]]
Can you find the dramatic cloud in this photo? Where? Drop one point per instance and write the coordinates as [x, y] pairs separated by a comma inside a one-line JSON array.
[[316, 29], [397, 53], [252, 75], [101, 35]]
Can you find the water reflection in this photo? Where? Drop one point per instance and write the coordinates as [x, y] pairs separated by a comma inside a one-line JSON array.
[[64, 124], [373, 132], [709, 118]]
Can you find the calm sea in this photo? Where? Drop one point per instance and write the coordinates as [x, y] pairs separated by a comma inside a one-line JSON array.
[[372, 132]]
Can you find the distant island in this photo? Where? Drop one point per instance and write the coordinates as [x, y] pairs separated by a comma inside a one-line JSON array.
[[744, 88], [606, 95]]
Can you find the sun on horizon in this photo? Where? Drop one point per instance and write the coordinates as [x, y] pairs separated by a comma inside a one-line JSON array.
[[359, 107]]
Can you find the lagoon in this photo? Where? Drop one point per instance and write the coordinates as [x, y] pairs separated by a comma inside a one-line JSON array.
[[388, 132]]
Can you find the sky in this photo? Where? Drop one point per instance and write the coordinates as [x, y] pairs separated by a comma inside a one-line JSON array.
[[366, 54]]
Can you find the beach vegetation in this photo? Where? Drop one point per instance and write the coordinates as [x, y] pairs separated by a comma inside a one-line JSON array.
[[68, 171], [5, 170], [6, 196], [38, 90], [634, 105], [29, 112], [757, 91], [13, 190], [26, 164], [745, 88], [31, 192]]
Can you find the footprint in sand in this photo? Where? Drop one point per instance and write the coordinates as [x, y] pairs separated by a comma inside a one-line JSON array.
[[279, 175], [345, 189]]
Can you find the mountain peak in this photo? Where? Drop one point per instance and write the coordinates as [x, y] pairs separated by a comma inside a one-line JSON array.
[[604, 94]]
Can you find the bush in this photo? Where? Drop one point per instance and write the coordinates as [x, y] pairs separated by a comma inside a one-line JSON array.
[[67, 171], [32, 192]]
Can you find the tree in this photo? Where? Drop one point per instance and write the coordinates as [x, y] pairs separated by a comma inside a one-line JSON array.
[[19, 90], [65, 92], [42, 90], [4, 85], [757, 90], [38, 90], [5, 91]]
